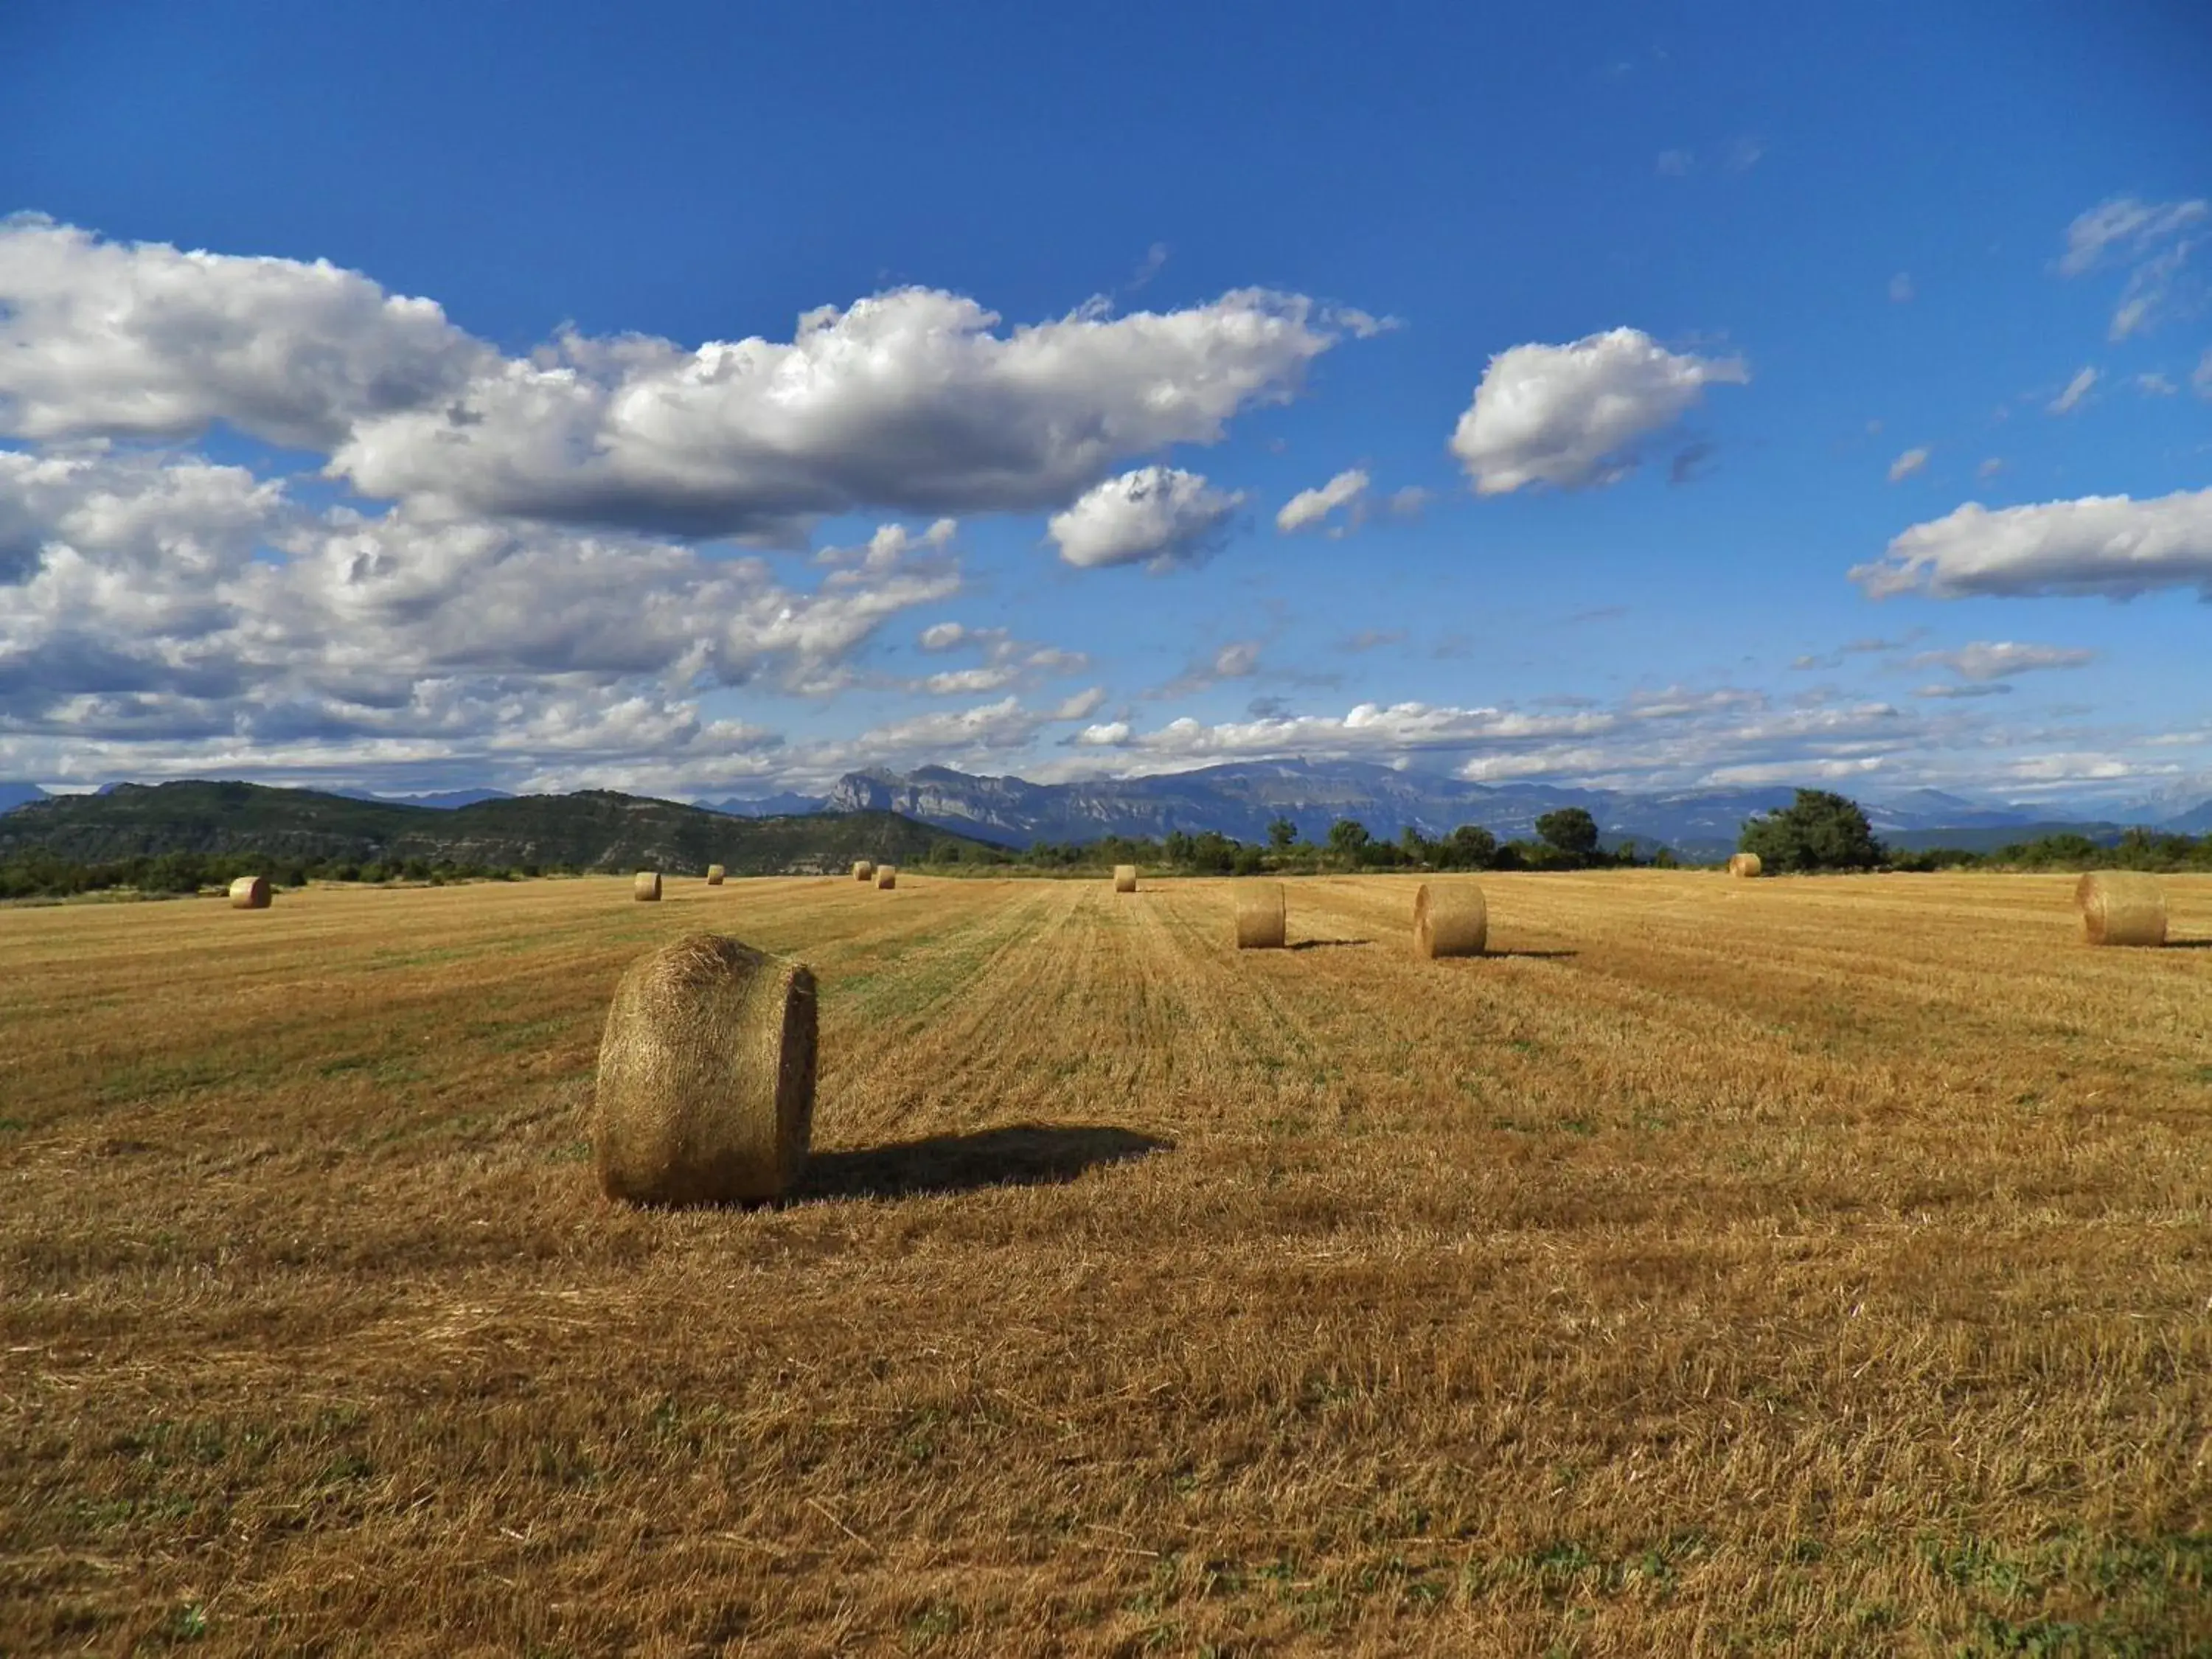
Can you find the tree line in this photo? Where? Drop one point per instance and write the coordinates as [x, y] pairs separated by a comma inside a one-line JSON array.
[[39, 874], [1818, 831], [1565, 840]]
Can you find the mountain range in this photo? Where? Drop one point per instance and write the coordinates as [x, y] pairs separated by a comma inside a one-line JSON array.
[[1242, 799], [1239, 799]]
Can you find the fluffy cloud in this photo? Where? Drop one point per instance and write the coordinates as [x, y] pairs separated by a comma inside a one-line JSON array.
[[915, 400], [2076, 389], [1157, 515], [1670, 738], [1007, 662], [156, 599], [2108, 545], [944, 635], [2000, 660], [1908, 464], [2155, 238], [101, 339], [1571, 416], [1311, 506]]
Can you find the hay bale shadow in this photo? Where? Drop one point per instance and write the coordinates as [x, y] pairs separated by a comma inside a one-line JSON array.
[[1326, 943], [1535, 956], [1018, 1155]]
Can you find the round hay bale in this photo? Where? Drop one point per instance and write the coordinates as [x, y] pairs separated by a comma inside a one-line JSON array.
[[1261, 924], [1124, 877], [886, 875], [1449, 920], [250, 893], [706, 1084], [2121, 908], [645, 887], [714, 874], [863, 871], [1745, 865]]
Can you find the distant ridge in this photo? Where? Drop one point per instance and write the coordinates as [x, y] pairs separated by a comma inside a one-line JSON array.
[[444, 800], [763, 806], [594, 829]]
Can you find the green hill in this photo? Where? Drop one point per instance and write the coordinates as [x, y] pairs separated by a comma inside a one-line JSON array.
[[595, 830]]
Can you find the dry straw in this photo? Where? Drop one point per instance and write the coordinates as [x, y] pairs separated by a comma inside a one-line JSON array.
[[1124, 877], [705, 1086], [1260, 923], [1449, 920], [646, 887], [1746, 865], [714, 874], [2121, 908], [863, 871], [250, 893], [887, 875]]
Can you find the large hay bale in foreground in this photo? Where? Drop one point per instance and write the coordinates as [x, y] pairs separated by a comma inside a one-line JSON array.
[[714, 874], [2121, 908], [250, 893], [645, 887], [706, 1085], [1745, 865], [863, 871], [1449, 920], [1262, 923], [1124, 877], [887, 875]]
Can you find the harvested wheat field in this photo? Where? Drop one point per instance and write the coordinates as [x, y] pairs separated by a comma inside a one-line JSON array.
[[1792, 1267]]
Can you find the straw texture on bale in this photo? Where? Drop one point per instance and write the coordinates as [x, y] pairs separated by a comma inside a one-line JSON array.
[[706, 1083], [1743, 863], [1124, 877], [1260, 922], [714, 874], [645, 886], [2121, 908], [250, 893], [1449, 920], [887, 875], [863, 871]]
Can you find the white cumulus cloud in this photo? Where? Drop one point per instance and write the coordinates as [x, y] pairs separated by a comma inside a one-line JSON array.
[[2107, 544], [101, 339], [913, 401], [1312, 507], [1571, 415], [148, 598], [1157, 515]]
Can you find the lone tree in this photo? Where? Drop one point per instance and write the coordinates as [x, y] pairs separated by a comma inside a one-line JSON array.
[[1817, 831], [1348, 839], [1470, 847], [1570, 832], [1282, 835]]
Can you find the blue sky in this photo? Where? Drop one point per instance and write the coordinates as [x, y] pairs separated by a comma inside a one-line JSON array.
[[1615, 343]]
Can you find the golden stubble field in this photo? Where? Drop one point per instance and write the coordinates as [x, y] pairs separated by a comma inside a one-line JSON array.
[[1797, 1267]]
